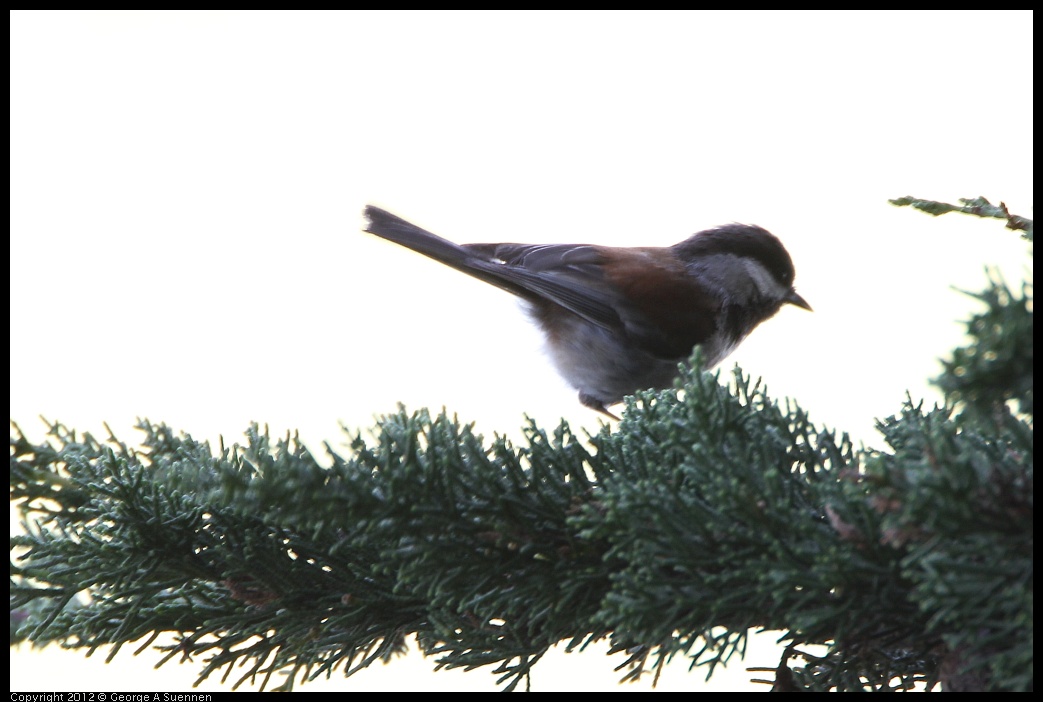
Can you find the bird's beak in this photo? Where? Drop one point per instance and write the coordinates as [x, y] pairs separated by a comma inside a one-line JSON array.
[[794, 299]]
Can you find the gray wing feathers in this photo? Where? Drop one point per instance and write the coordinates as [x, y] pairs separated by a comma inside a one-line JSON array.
[[567, 275]]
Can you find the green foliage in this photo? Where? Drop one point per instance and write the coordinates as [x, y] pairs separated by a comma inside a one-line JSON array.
[[957, 501], [977, 206], [996, 366], [705, 514]]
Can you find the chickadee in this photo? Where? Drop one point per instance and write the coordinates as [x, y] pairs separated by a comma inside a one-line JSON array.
[[616, 319]]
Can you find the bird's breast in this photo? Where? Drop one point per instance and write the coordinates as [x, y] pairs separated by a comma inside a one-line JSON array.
[[600, 362]]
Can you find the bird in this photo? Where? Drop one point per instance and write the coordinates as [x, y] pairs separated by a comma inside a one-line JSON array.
[[620, 319]]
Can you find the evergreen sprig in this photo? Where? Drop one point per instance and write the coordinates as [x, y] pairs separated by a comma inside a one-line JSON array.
[[978, 206]]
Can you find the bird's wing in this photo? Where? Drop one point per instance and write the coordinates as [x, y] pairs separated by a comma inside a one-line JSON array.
[[570, 275], [646, 297]]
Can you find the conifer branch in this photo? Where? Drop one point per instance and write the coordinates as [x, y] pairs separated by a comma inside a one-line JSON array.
[[707, 513]]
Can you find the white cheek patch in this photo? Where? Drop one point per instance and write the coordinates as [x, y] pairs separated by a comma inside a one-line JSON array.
[[766, 283]]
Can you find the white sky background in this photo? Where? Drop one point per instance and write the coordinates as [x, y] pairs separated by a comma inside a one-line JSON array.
[[187, 188]]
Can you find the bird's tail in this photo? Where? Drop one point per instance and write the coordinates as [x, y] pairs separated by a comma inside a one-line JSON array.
[[393, 228]]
